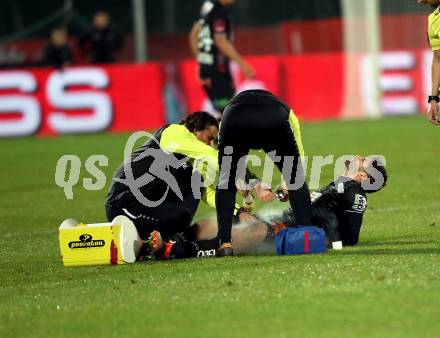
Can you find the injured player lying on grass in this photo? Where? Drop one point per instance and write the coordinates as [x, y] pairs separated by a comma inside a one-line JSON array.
[[338, 208]]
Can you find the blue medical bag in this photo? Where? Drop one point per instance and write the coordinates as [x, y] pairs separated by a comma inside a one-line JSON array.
[[300, 240]]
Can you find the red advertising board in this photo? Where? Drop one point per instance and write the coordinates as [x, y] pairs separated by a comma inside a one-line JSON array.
[[130, 97], [81, 99], [268, 77], [314, 85], [311, 84]]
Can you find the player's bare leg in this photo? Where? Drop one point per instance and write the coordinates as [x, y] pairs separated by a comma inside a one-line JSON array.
[[248, 237]]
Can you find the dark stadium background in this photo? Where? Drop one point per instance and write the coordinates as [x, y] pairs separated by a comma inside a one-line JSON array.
[[168, 21]]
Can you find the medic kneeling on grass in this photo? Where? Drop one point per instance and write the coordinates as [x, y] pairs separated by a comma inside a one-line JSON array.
[[154, 187]]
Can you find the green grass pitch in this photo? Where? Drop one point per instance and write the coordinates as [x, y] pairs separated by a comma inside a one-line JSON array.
[[388, 286]]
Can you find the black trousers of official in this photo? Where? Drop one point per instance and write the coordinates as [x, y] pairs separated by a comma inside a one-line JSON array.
[[257, 120]]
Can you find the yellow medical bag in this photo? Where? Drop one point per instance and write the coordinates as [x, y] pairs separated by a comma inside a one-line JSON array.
[[112, 243]]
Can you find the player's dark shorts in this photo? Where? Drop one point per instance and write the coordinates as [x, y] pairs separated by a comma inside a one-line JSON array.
[[221, 91], [321, 217]]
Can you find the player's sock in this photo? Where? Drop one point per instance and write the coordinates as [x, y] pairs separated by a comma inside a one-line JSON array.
[[188, 249], [168, 249], [277, 227], [272, 230]]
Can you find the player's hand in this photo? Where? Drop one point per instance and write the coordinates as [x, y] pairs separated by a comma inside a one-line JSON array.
[[433, 113], [264, 193], [248, 70]]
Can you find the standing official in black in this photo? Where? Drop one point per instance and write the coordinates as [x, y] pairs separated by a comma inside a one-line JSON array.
[[256, 119]]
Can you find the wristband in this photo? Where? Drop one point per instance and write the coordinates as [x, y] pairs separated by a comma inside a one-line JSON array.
[[435, 98]]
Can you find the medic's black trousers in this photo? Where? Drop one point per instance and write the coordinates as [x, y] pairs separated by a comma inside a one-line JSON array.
[[256, 119], [168, 218], [172, 220]]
